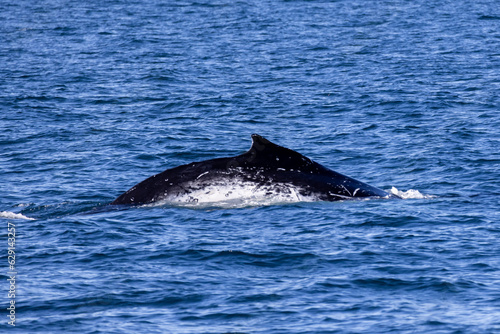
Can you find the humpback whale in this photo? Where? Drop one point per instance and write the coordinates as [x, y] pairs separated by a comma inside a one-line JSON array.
[[267, 171]]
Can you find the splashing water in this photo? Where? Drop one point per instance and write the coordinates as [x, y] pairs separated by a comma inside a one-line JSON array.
[[410, 194], [12, 215]]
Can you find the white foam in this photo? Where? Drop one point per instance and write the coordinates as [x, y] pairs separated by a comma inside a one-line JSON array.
[[12, 215], [410, 194]]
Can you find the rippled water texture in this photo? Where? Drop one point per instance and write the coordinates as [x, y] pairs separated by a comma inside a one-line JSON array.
[[96, 96]]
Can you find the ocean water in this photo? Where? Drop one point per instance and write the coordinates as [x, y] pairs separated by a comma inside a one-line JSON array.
[[96, 96]]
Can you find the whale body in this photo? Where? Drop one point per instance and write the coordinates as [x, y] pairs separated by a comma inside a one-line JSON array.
[[266, 171]]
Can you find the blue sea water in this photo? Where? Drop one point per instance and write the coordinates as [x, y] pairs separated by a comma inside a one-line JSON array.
[[96, 96]]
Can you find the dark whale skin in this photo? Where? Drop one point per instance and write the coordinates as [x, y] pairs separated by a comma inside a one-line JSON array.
[[266, 165]]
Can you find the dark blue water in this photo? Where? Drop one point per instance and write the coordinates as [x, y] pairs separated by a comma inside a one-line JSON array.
[[95, 96]]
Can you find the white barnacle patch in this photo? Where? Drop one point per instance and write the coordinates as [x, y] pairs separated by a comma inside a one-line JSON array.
[[235, 191]]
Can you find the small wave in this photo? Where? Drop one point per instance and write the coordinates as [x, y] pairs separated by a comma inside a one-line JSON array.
[[410, 194], [12, 215]]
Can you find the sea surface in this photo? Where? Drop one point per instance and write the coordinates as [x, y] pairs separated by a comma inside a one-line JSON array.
[[96, 96]]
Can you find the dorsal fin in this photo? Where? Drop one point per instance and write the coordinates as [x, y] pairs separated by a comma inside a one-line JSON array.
[[260, 143], [267, 154]]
